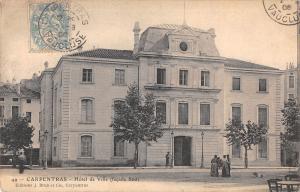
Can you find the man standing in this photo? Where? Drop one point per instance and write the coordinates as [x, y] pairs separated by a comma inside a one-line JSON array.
[[168, 159], [22, 160]]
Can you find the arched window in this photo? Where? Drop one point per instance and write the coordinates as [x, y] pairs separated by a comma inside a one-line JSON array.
[[86, 146], [87, 110]]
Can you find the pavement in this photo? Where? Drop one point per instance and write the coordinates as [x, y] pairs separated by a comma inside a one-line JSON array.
[[178, 179]]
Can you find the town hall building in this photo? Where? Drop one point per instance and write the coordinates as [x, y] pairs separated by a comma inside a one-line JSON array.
[[197, 90]]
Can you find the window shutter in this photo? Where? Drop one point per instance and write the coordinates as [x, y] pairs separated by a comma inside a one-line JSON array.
[[83, 109], [204, 114], [89, 111]]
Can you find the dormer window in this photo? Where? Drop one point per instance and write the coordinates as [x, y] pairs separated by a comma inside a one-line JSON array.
[[183, 46]]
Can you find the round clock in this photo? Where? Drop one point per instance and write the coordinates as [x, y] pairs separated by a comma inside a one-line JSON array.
[[183, 46]]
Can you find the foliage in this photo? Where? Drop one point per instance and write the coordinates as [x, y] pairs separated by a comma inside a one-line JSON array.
[[245, 135], [135, 120], [290, 120], [16, 134]]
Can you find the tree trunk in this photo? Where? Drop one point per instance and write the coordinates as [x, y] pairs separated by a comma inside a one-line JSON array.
[[246, 157], [136, 155], [14, 159]]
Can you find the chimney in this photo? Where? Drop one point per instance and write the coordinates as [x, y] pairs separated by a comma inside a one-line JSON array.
[[136, 32]]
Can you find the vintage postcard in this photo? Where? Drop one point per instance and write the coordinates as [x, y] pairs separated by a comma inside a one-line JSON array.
[[149, 95]]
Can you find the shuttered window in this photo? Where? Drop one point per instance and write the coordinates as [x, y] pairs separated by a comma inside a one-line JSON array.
[[119, 77], [204, 114], [263, 116], [161, 111], [183, 114], [262, 85], [161, 76], [86, 146], [236, 83], [119, 148], [263, 149], [86, 110], [205, 78], [236, 113]]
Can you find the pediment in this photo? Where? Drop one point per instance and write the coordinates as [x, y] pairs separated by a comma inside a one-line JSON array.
[[183, 30]]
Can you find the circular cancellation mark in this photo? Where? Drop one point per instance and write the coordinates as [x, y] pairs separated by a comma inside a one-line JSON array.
[[61, 25], [283, 11]]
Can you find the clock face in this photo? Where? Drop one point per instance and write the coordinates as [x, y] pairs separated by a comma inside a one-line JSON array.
[[183, 46]]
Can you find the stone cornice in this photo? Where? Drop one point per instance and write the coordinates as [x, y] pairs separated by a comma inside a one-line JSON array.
[[160, 87]]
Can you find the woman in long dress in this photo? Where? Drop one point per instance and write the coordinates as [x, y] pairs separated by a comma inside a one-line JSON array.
[[214, 167], [225, 167]]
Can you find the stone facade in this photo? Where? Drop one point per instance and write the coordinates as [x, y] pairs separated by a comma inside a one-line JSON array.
[[182, 67]]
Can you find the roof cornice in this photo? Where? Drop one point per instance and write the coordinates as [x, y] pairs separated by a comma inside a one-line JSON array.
[[248, 70]]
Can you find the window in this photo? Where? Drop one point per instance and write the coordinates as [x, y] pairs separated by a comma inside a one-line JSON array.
[[291, 82], [1, 99], [119, 148], [87, 110], [183, 77], [236, 83], [183, 115], [28, 100], [262, 85], [15, 99], [237, 113], [291, 96], [54, 145], [263, 149], [86, 146], [116, 104], [161, 76], [262, 116], [236, 150], [204, 114], [15, 111], [1, 111], [205, 78], [28, 117], [161, 111], [87, 75], [119, 76]]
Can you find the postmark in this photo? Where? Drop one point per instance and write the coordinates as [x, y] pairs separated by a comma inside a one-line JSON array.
[[283, 11], [61, 26]]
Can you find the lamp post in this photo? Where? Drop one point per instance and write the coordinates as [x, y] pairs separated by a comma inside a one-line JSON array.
[[172, 147], [202, 158], [45, 145]]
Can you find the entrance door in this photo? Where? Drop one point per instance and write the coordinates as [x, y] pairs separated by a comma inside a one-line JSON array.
[[182, 151]]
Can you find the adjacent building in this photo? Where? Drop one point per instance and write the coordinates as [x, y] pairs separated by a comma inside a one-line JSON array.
[[22, 99], [197, 90]]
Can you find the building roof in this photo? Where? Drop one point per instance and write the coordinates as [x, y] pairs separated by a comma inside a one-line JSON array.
[[106, 53], [8, 90], [235, 63], [11, 90]]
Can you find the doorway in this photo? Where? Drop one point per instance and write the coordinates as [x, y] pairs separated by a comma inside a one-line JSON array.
[[182, 151]]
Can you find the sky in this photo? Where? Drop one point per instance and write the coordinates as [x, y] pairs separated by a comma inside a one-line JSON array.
[[243, 30]]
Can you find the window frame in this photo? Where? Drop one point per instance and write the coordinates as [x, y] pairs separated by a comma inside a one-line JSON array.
[[80, 146], [119, 83], [28, 100], [14, 99], [29, 118], [178, 113], [165, 75], [266, 138], [210, 115], [236, 105], [12, 111], [82, 121], [267, 109], [162, 101], [240, 152], [184, 81], [204, 79], [2, 107], [115, 155], [232, 85], [92, 78], [289, 81], [263, 91]]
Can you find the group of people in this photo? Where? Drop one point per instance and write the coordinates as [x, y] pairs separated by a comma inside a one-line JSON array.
[[218, 163]]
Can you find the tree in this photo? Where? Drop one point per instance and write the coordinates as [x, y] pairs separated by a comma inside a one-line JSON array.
[[135, 120], [16, 135], [244, 135], [290, 121]]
